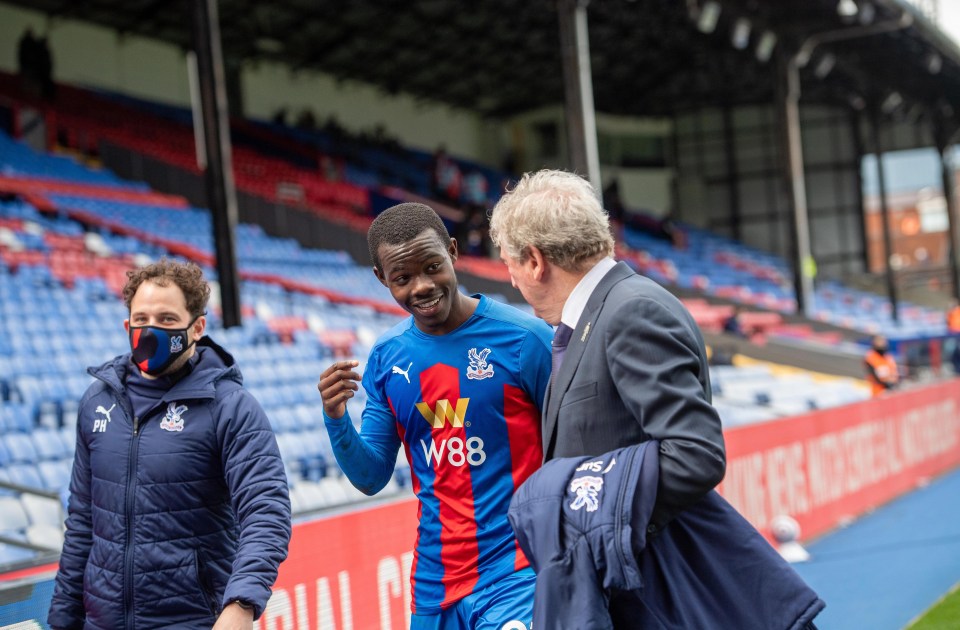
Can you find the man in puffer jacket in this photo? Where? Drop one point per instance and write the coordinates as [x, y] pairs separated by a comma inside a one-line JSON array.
[[179, 513], [582, 523]]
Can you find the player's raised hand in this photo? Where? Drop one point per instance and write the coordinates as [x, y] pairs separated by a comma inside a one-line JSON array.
[[337, 385]]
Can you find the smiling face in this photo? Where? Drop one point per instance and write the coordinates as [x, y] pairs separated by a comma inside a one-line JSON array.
[[420, 276]]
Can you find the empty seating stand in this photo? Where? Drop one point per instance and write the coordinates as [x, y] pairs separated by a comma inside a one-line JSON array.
[[65, 247]]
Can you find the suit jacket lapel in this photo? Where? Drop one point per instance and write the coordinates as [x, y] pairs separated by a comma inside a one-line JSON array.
[[571, 359]]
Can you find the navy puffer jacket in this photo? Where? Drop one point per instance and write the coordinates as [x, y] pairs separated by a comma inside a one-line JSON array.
[[175, 514]]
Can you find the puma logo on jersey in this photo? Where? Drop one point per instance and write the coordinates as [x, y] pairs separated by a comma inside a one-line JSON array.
[[100, 424], [404, 373]]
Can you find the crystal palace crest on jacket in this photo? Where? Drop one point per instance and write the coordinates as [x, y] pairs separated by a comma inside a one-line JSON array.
[[173, 421], [587, 490]]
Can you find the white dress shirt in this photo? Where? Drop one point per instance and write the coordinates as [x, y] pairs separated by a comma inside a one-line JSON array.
[[573, 307]]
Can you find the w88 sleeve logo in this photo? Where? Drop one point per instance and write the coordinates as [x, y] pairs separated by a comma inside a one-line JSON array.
[[456, 451]]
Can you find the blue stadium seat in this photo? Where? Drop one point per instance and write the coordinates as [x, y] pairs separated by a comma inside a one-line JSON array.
[[15, 417], [20, 447], [55, 475], [48, 444], [25, 475], [70, 407], [68, 436], [42, 510], [13, 518], [4, 454], [12, 555], [48, 414]]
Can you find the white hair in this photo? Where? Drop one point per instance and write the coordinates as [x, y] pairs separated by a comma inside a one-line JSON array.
[[557, 212]]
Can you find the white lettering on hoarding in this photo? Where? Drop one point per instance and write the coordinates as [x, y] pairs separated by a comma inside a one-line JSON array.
[[798, 477], [389, 587], [346, 602], [393, 582], [743, 486], [406, 562], [280, 614], [786, 480], [325, 617], [303, 612]]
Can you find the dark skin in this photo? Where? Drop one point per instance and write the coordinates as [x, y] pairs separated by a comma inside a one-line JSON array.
[[421, 278]]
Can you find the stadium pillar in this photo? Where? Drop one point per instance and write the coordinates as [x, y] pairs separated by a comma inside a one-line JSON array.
[[803, 263], [950, 196], [884, 213], [733, 172], [578, 90], [215, 137], [856, 133]]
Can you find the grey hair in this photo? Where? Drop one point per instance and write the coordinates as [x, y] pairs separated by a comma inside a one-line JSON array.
[[557, 212]]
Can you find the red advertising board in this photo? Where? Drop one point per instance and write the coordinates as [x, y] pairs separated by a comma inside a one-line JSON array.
[[347, 572], [827, 467]]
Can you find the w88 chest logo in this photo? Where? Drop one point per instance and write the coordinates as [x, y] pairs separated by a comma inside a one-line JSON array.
[[455, 451]]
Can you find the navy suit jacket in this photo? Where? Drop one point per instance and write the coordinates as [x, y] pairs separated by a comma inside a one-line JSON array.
[[636, 370]]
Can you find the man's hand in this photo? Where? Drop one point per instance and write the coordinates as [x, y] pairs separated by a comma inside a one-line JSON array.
[[234, 617], [337, 385]]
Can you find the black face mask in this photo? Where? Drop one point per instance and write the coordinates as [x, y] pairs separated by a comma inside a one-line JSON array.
[[882, 350], [155, 349]]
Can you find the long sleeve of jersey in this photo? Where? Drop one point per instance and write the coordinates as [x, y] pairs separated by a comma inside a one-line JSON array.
[[366, 457]]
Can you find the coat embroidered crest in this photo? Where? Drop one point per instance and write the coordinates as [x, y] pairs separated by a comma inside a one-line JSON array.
[[173, 421], [588, 492]]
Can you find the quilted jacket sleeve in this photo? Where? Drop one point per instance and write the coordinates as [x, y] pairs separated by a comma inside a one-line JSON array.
[[66, 608], [258, 486]]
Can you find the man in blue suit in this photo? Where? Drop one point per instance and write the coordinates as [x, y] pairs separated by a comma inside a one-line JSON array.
[[630, 367], [629, 360]]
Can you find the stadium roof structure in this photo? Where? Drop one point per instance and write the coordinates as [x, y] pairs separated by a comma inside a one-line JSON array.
[[648, 57]]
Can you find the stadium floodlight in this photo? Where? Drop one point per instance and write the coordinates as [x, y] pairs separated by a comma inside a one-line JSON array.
[[709, 16], [891, 103], [847, 8], [768, 41], [825, 65], [741, 33]]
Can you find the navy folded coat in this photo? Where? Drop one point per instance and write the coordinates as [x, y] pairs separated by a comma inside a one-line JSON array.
[[582, 522]]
